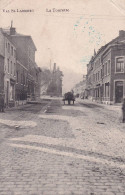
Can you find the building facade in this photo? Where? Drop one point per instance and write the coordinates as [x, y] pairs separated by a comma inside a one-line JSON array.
[[105, 80], [2, 54], [8, 77], [20, 68], [79, 88], [21, 75]]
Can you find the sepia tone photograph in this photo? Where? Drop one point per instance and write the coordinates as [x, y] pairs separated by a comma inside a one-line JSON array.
[[62, 97]]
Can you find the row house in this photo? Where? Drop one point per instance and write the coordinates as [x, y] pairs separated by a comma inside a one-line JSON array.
[[21, 73], [105, 80], [27, 71], [2, 54], [7, 69]]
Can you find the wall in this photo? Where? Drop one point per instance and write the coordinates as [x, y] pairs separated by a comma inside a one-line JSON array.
[[9, 69], [2, 44], [117, 51], [1, 74]]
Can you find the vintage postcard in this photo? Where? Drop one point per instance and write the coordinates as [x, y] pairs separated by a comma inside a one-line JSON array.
[[62, 97]]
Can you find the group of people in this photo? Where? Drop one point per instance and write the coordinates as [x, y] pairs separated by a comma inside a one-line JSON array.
[[1, 102]]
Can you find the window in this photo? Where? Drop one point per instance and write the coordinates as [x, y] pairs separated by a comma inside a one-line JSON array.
[[108, 68], [98, 75], [101, 73], [105, 69], [25, 79], [12, 51], [14, 69], [8, 48], [99, 61], [37, 77], [120, 64], [11, 67], [21, 78], [17, 78], [107, 90], [8, 66]]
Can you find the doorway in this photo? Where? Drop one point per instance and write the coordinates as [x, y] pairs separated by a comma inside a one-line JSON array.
[[118, 91]]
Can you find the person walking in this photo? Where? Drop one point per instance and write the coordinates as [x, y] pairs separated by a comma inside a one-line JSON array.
[[123, 111]]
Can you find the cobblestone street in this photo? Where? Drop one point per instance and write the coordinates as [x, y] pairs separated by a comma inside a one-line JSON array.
[[56, 149]]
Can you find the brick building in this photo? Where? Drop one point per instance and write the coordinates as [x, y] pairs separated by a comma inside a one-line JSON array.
[[27, 74], [2, 54], [7, 68], [105, 80]]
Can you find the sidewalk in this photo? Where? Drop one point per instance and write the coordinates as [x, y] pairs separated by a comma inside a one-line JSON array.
[[114, 107]]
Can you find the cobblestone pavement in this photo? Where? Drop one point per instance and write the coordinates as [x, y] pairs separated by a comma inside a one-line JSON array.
[[52, 149]]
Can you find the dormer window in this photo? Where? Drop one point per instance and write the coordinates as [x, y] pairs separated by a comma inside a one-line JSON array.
[[8, 48]]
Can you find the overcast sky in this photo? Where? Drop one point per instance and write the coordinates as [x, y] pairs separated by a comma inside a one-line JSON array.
[[67, 38]]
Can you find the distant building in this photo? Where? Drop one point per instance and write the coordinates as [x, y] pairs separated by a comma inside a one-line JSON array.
[[45, 80], [55, 84], [105, 80], [79, 88]]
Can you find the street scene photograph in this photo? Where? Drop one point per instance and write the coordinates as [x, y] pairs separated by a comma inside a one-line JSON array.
[[62, 97]]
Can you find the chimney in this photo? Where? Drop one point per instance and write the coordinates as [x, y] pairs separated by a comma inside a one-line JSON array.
[[122, 33], [12, 30], [54, 67]]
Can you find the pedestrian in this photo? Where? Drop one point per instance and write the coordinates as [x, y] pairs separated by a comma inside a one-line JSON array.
[[123, 111], [1, 103]]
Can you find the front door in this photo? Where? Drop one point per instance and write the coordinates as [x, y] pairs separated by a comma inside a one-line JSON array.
[[118, 91]]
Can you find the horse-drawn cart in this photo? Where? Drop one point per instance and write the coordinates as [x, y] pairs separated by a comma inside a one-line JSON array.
[[69, 97]]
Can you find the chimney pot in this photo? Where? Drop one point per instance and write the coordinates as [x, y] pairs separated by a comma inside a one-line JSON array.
[[12, 31], [121, 33]]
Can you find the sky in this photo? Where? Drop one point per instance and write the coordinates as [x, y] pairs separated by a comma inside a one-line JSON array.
[[66, 38]]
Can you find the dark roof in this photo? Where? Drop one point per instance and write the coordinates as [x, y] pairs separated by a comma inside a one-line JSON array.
[[104, 47], [6, 32]]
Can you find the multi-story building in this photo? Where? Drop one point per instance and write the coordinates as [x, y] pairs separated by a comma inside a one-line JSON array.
[[2, 54], [27, 73], [106, 72], [8, 67]]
